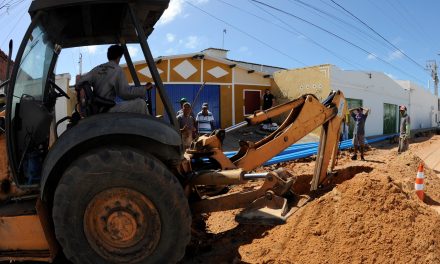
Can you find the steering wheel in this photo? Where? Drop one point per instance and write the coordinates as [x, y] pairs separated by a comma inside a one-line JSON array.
[[59, 90]]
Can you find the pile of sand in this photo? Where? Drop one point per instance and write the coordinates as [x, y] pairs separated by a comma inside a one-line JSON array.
[[370, 216], [368, 219]]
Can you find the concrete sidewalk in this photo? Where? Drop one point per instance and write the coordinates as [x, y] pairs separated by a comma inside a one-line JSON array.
[[431, 156]]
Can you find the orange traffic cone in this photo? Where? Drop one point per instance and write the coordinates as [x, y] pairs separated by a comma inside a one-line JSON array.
[[420, 185]]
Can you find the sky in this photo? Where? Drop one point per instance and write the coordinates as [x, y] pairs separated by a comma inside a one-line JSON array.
[[396, 37]]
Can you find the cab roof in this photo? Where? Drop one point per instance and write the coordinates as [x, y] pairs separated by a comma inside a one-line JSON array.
[[74, 23]]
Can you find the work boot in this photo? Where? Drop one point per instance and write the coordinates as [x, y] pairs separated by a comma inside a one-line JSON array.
[[354, 157], [362, 157]]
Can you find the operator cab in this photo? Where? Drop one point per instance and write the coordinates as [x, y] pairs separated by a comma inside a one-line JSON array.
[[32, 92]]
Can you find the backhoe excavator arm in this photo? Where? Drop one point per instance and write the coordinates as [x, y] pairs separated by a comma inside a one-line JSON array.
[[306, 114], [267, 203]]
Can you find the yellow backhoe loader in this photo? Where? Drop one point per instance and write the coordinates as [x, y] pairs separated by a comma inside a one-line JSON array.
[[115, 187]]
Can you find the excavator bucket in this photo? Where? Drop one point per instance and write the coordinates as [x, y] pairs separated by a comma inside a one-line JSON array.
[[272, 209]]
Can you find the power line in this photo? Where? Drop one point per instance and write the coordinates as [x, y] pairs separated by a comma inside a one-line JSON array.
[[247, 34], [9, 5], [337, 36], [313, 68], [367, 38], [415, 25], [12, 29], [292, 30], [377, 33], [329, 15], [299, 33], [414, 20], [380, 9]]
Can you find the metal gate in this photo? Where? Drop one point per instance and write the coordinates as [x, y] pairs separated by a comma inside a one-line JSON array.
[[208, 94]]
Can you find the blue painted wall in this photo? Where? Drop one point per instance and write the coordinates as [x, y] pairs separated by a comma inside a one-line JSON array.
[[208, 94]]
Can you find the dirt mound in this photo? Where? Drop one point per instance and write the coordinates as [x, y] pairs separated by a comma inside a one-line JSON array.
[[369, 215], [368, 219]]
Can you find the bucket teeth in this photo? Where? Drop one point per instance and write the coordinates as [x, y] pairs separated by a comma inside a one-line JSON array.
[[271, 209]]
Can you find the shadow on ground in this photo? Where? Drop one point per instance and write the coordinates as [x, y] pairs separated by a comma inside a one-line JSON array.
[[429, 201]]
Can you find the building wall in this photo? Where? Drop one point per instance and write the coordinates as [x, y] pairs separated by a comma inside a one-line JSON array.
[[143, 72], [259, 67], [4, 65], [374, 89], [62, 105], [187, 70], [239, 99], [212, 68], [188, 63], [291, 84], [422, 106], [244, 78], [296, 82], [226, 103]]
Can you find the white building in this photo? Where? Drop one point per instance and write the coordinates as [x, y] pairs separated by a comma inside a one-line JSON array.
[[423, 106], [61, 106], [373, 90]]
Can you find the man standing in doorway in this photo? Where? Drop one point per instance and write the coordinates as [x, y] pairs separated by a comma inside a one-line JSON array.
[[405, 130], [204, 121], [268, 101], [360, 116]]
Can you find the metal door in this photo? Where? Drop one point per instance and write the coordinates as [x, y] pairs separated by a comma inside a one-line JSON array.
[[389, 118], [251, 101]]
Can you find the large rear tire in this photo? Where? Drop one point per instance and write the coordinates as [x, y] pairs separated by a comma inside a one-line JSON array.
[[118, 205]]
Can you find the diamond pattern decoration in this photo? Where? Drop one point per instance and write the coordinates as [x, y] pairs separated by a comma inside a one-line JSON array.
[[146, 71], [185, 69], [217, 72]]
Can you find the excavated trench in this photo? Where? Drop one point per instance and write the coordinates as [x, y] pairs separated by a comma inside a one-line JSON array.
[[302, 184]]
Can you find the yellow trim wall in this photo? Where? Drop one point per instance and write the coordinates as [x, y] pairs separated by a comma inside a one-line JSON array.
[[242, 76], [210, 65], [243, 80], [296, 82], [225, 103], [176, 77], [290, 84]]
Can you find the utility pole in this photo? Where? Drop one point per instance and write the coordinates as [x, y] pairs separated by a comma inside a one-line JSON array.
[[80, 62], [431, 66], [223, 41]]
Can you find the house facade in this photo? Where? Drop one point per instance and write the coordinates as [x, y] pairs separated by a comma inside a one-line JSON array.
[[374, 90], [233, 89], [3, 67]]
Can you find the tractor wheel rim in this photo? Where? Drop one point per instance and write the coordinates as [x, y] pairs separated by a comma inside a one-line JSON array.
[[122, 224]]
